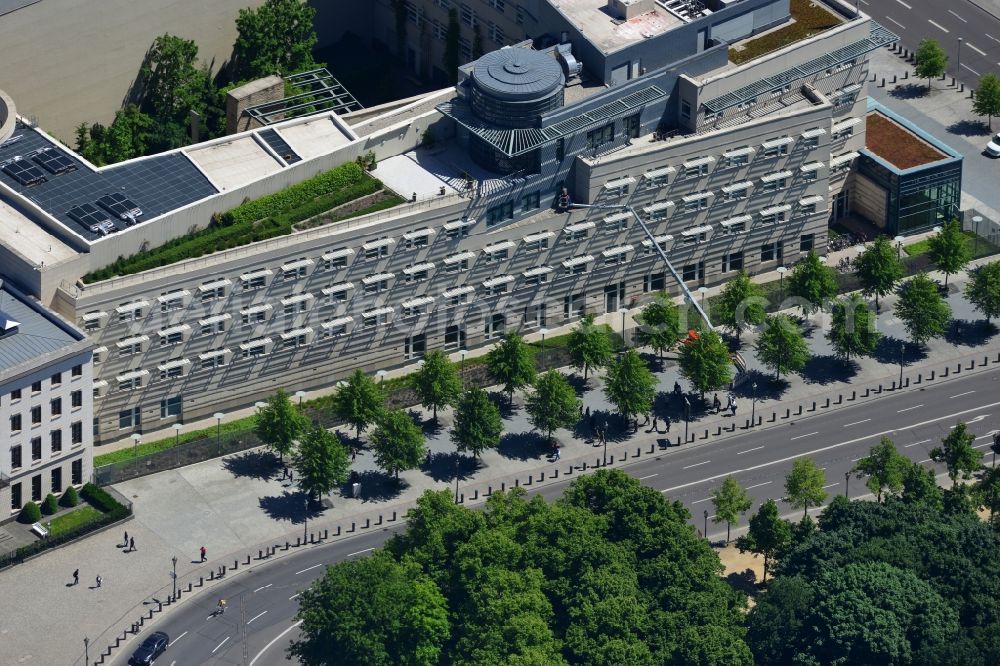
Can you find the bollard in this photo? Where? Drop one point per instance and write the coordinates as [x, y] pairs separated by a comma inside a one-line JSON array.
[[222, 571], [880, 389], [612, 462], [517, 483], [541, 476], [746, 424], [920, 377], [298, 541], [529, 481], [945, 373], [931, 378], [338, 530], [368, 523], [287, 545], [907, 382], [958, 368], [706, 433], [584, 467], [236, 565], [189, 587], [774, 417], [260, 554], [814, 406], [998, 358], [893, 385], [211, 574], [159, 606], [732, 428], [986, 361], [840, 398], [489, 491], [555, 473], [353, 526], [503, 486], [882, 85], [788, 412], [867, 391], [953, 80], [201, 581], [800, 411], [972, 364], [379, 519], [906, 75], [326, 534], [854, 395], [475, 495], [827, 403], [893, 78], [652, 447]]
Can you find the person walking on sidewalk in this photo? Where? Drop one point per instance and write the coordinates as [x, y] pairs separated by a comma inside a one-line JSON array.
[[99, 581], [76, 577], [125, 540], [656, 424], [204, 553], [716, 403], [131, 544]]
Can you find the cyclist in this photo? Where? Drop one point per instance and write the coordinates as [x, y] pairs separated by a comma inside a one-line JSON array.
[[222, 606]]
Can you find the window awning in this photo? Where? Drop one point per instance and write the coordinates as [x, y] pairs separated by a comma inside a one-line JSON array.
[[617, 217], [739, 219], [498, 280], [738, 152], [663, 238], [812, 166], [458, 224], [659, 173], [263, 307], [657, 207], [813, 133], [418, 301], [416, 268], [696, 196], [180, 328], [576, 261], [841, 159], [296, 298], [737, 187], [135, 374], [774, 143], [337, 254], [170, 365], [99, 384], [378, 277], [776, 209], [777, 175], [694, 231], [173, 296], [100, 350], [698, 161], [129, 307], [619, 182], [457, 291], [812, 199], [339, 321], [615, 251], [377, 243], [259, 342], [295, 265], [296, 332], [461, 256], [337, 288], [846, 90], [215, 284], [844, 124], [94, 316], [257, 274], [580, 226], [534, 238], [377, 312], [215, 319], [134, 340], [418, 233], [502, 245], [540, 270], [212, 354]]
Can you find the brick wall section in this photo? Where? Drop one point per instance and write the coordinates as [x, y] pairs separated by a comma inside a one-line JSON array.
[[268, 89]]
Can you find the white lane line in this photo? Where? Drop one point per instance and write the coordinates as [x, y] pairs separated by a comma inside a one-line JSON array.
[[848, 425], [756, 448], [976, 49], [703, 462], [255, 617], [858, 458], [220, 644], [957, 16], [360, 552], [923, 461], [309, 568], [273, 641], [938, 26], [701, 500], [758, 485], [896, 22], [813, 452], [831, 485], [648, 476], [992, 37], [806, 435], [900, 411], [177, 639], [904, 4], [923, 441], [294, 596], [263, 587], [865, 2], [959, 395], [970, 69]]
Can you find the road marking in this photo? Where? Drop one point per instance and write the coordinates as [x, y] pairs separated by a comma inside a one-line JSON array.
[[177, 639], [904, 4], [806, 435], [756, 448], [310, 568], [831, 485], [273, 641], [938, 26], [220, 644], [701, 500], [703, 462], [923, 441], [959, 395], [970, 69], [758, 485], [957, 16], [813, 452], [650, 476], [992, 37], [255, 617], [896, 22], [360, 552], [923, 461], [294, 596], [848, 425], [263, 587], [859, 458], [900, 411], [864, 2], [976, 49]]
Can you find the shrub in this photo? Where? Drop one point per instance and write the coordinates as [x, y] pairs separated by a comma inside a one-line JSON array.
[[101, 500], [69, 498], [50, 505], [30, 513]]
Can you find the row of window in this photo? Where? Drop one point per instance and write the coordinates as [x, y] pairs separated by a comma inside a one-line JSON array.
[[55, 485], [55, 445], [55, 410], [55, 381]]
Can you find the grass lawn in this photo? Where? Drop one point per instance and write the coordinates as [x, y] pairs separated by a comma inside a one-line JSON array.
[[73, 519], [985, 247], [809, 19], [146, 448]]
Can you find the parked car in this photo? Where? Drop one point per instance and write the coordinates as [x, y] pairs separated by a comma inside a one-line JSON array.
[[993, 147], [151, 648]]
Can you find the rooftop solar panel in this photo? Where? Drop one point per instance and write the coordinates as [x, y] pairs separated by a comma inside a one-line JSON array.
[[54, 161], [279, 146], [23, 171], [90, 215], [121, 207]]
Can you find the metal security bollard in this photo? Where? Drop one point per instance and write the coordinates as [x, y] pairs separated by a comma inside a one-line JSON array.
[[827, 403], [368, 523]]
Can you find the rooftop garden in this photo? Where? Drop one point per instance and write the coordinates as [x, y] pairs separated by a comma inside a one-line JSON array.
[[897, 145], [808, 19], [343, 192]]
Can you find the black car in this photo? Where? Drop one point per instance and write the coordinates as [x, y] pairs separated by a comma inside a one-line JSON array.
[[151, 648]]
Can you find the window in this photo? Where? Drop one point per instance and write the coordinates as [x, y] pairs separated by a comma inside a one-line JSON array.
[[694, 271], [36, 387], [537, 243], [454, 337], [36, 449], [294, 338], [579, 231], [631, 126], [36, 415], [601, 135], [172, 300], [537, 276], [573, 305], [36, 488], [772, 217], [531, 201], [254, 281], [15, 457], [132, 345], [336, 327], [417, 239], [255, 315], [498, 255], [497, 5], [295, 269], [55, 407], [77, 472], [496, 288], [15, 395], [696, 170], [415, 346], [91, 321], [417, 273], [806, 242], [212, 360], [171, 336], [560, 150], [214, 325], [654, 282], [254, 349], [685, 110], [55, 441], [169, 371], [534, 315], [773, 185], [732, 261], [614, 224], [695, 202], [55, 477], [457, 229], [15, 497], [810, 142], [810, 175], [772, 252], [171, 407], [468, 15], [495, 326], [336, 259], [15, 423], [296, 304], [498, 214], [77, 371], [495, 33], [76, 433], [375, 283], [737, 157], [842, 132], [693, 235], [56, 379], [456, 263], [212, 290], [377, 249], [130, 381], [129, 311], [776, 146], [376, 318], [807, 209]]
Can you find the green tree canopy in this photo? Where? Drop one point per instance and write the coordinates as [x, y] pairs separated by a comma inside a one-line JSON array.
[[397, 442], [477, 423], [705, 362], [987, 101], [988, 492], [878, 269], [630, 386], [923, 311], [740, 305], [511, 364], [436, 382], [853, 331], [812, 282], [920, 487], [321, 462], [804, 485], [768, 534], [279, 423], [949, 250], [780, 346], [957, 453], [552, 404], [931, 60], [173, 83], [884, 467], [659, 324], [983, 289], [358, 401], [126, 137], [275, 38], [730, 501], [589, 346]]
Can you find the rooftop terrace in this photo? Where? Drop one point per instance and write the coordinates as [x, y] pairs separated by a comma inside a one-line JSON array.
[[808, 19], [896, 144], [607, 31]]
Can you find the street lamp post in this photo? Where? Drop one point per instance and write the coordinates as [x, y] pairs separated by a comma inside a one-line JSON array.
[[381, 378], [899, 247], [305, 518], [847, 484], [753, 406], [781, 284], [174, 575], [543, 331], [300, 394], [456, 479], [702, 290], [86, 651], [706, 524], [218, 430], [687, 417], [624, 343], [461, 367], [995, 447], [958, 63], [902, 350], [605, 438], [177, 433], [976, 219], [135, 444]]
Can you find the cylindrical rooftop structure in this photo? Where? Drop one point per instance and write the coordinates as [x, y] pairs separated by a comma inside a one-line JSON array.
[[8, 116], [512, 87]]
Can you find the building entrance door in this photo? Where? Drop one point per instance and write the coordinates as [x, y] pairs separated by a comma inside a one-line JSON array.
[[842, 205], [614, 297]]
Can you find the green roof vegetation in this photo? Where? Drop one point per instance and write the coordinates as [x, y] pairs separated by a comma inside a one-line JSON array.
[[809, 18]]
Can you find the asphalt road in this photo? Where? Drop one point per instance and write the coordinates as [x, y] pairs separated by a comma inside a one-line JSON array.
[[914, 20], [260, 620]]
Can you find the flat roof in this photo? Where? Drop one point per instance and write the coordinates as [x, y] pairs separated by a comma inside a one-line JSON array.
[[30, 240], [37, 334], [233, 164], [314, 137], [896, 144], [607, 32]]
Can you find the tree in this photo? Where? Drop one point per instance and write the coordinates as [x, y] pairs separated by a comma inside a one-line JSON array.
[[983, 289], [173, 84], [924, 313], [630, 386], [813, 282], [852, 328], [988, 491], [511, 364], [931, 60], [451, 44], [768, 534], [276, 38], [125, 138], [740, 305], [321, 462], [477, 422], [957, 453], [397, 442], [804, 485], [436, 382], [553, 404], [279, 423], [780, 346], [949, 250], [659, 324], [372, 611], [878, 269], [730, 501], [589, 346], [885, 468], [358, 401], [987, 101], [705, 362], [920, 487]]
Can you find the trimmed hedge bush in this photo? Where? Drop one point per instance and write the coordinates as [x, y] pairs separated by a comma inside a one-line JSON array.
[[50, 505], [69, 498], [30, 513], [102, 501]]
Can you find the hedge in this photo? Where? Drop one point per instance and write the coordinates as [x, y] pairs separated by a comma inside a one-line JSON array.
[[50, 505], [30, 513], [69, 498], [102, 501]]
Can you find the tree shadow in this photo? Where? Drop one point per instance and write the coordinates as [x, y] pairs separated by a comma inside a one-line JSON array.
[[378, 486], [969, 128], [262, 465], [744, 582], [523, 445], [910, 91], [429, 426], [827, 369], [445, 466], [970, 333], [290, 506], [887, 351], [768, 387], [580, 386], [505, 407]]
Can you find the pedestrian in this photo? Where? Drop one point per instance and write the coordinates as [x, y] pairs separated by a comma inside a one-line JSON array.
[[587, 411], [354, 453], [666, 419], [125, 540], [99, 581], [656, 424], [131, 544], [76, 576], [557, 453], [733, 407], [645, 418], [716, 403], [291, 474], [204, 553]]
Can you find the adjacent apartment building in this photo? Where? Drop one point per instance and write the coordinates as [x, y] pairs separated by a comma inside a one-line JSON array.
[[552, 180], [46, 402]]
